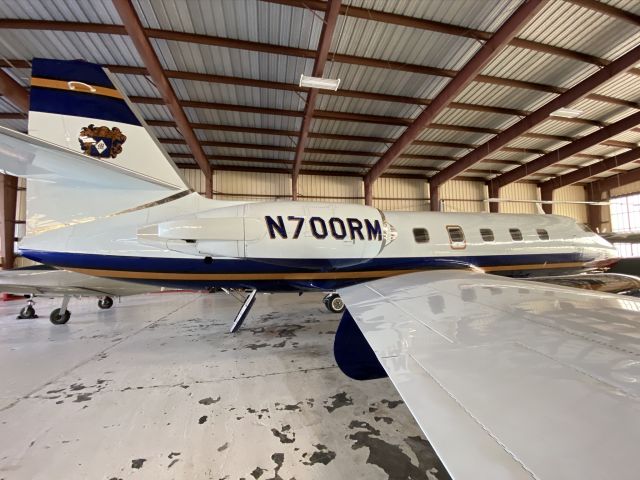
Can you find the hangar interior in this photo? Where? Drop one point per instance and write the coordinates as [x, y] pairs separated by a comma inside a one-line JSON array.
[[553, 108], [441, 106]]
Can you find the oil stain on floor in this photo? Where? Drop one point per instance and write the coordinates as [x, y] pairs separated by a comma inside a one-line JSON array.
[[157, 388]]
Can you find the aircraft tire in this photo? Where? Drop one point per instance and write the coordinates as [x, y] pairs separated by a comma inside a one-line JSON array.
[[58, 319], [27, 312], [105, 303], [334, 303]]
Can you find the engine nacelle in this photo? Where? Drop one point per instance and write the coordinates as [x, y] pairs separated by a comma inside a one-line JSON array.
[[278, 232]]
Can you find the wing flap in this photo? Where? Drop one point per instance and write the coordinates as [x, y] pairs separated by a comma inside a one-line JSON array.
[[540, 373]]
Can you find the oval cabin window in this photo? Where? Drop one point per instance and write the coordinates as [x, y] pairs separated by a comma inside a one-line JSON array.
[[487, 234], [516, 234], [456, 237], [421, 235], [543, 234]]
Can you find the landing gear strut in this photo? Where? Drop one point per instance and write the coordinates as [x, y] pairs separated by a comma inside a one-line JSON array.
[[28, 311], [334, 303], [244, 311], [105, 303], [61, 315]]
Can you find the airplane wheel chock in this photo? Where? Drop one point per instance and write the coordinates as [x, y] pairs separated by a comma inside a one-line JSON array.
[[334, 303], [105, 303], [58, 319]]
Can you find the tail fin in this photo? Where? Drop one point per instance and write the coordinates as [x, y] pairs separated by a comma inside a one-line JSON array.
[[104, 160], [75, 104]]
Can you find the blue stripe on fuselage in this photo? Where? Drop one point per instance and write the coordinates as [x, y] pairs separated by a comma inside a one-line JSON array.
[[197, 265]]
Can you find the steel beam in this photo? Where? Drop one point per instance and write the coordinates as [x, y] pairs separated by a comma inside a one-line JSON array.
[[620, 65], [618, 180], [137, 34], [594, 212], [228, 80], [14, 92], [589, 171], [567, 150], [609, 10], [547, 196], [266, 48], [433, 26], [330, 20], [465, 76]]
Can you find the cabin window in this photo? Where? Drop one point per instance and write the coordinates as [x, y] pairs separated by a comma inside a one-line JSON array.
[[516, 234], [456, 236], [487, 234], [421, 235], [543, 234], [585, 227]]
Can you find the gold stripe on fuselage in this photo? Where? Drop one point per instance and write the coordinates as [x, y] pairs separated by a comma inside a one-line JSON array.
[[75, 87], [298, 275]]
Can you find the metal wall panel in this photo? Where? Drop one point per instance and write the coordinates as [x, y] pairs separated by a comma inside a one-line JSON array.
[[194, 178], [572, 193], [519, 191], [629, 189], [401, 194], [251, 186], [463, 196], [317, 188]]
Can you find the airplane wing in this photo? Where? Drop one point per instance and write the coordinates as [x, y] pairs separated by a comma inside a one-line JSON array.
[[510, 379], [45, 281]]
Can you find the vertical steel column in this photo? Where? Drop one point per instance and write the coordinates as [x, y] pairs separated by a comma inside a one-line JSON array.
[[546, 194], [9, 197]]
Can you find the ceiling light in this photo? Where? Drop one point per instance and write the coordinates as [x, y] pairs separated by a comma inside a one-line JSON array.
[[568, 112], [318, 82]]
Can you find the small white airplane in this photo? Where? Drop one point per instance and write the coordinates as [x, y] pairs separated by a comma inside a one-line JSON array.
[[45, 281], [507, 378]]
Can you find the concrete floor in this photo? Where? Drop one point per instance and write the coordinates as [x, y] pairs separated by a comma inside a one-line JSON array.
[[157, 388]]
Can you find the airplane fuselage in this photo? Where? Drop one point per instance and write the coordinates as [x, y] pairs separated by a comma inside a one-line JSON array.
[[193, 242]]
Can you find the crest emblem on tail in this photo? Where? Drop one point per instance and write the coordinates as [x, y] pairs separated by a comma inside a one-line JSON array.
[[101, 141]]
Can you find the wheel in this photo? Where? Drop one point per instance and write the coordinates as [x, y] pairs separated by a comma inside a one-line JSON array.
[[105, 303], [27, 312], [58, 319], [334, 303]]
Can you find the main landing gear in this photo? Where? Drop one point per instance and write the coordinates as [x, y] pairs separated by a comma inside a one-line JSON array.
[[105, 303], [334, 303]]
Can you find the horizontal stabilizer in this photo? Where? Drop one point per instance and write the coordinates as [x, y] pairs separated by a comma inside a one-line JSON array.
[[25, 156]]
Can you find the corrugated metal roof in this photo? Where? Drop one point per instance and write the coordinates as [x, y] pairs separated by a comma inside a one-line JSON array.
[[366, 38], [438, 135], [567, 25], [503, 96], [243, 20], [60, 10], [94, 47], [384, 80], [560, 23], [523, 64], [487, 15]]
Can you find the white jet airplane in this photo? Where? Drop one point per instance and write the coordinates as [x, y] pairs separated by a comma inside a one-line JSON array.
[[508, 378]]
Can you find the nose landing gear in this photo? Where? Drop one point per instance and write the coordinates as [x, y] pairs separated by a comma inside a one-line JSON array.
[[334, 303]]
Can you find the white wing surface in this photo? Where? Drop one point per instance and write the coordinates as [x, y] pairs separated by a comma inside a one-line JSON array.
[[43, 282], [511, 379]]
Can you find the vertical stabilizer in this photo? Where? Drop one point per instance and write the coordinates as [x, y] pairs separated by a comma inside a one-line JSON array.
[[75, 104]]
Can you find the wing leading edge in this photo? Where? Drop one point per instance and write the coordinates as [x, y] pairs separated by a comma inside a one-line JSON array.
[[510, 379]]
